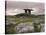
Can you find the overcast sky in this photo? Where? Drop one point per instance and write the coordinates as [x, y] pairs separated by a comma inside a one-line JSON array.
[[16, 7]]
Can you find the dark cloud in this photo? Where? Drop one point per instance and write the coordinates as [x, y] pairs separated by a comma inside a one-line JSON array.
[[15, 4]]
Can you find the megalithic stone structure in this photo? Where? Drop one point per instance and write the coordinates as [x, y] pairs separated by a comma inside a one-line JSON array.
[[28, 10]]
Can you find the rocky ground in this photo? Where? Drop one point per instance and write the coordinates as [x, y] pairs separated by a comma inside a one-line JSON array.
[[24, 24]]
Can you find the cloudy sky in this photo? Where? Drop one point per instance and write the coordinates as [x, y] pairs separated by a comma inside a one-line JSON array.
[[16, 7]]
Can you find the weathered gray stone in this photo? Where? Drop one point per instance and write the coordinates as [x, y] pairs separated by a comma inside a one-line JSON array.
[[22, 27]]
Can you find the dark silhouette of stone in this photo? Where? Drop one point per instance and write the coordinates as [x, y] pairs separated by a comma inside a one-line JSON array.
[[29, 11], [25, 11]]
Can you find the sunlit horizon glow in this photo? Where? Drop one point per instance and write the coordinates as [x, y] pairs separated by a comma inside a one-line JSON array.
[[18, 11]]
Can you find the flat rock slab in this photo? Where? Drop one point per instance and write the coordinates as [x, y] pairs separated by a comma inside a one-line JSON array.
[[24, 27]]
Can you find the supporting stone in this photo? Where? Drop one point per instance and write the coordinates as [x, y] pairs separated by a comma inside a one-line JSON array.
[[25, 11]]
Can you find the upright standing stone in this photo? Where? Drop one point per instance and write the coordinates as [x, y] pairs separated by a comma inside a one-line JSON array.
[[25, 11]]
